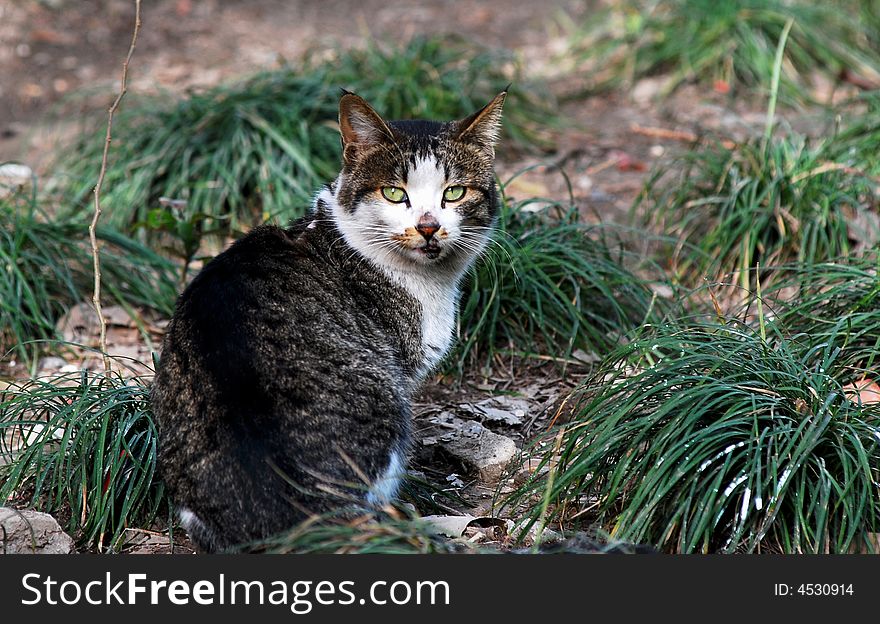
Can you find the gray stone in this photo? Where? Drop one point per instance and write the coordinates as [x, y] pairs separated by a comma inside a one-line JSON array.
[[477, 448], [645, 91], [51, 363], [14, 176], [32, 532]]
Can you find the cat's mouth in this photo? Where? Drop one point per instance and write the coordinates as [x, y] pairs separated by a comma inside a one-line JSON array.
[[417, 248], [430, 250]]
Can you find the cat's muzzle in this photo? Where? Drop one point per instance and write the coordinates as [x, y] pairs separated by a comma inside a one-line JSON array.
[[431, 249]]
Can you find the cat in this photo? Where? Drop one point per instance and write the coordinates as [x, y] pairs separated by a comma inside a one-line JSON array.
[[287, 369]]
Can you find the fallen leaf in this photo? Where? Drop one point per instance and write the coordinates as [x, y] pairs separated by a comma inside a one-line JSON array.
[[455, 526], [450, 526], [52, 37], [504, 409], [865, 391], [522, 186], [80, 324], [625, 162], [117, 315], [721, 86]]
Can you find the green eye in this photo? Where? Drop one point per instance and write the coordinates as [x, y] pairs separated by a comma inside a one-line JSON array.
[[453, 193], [394, 194]]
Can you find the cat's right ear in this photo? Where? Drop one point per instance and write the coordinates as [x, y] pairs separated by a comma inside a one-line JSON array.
[[360, 125]]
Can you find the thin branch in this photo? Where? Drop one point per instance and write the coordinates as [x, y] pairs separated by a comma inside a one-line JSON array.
[[93, 239], [673, 135]]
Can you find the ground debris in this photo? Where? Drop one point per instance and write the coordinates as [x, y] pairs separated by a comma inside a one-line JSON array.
[[501, 409], [146, 542], [470, 444], [32, 532]]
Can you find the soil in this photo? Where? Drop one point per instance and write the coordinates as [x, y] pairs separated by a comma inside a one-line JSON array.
[[61, 59], [69, 52]]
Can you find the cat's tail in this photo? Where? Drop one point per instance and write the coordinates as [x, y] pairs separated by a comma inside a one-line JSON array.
[[201, 534]]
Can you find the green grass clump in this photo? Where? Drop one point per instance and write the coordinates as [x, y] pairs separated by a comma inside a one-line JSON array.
[[445, 78], [858, 140], [550, 285], [259, 149], [732, 41], [46, 266], [82, 444], [762, 202], [831, 300], [721, 440]]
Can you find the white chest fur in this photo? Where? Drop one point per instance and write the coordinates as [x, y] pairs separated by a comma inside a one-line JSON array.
[[435, 290], [438, 302]]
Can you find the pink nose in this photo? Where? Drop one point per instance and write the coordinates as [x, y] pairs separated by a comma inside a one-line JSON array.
[[427, 226]]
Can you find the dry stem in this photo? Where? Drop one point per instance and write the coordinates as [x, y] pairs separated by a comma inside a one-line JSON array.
[[93, 239]]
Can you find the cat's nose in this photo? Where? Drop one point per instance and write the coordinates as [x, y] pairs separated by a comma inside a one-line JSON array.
[[427, 226]]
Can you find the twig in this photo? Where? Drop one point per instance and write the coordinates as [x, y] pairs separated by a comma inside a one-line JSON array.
[[93, 239], [673, 135], [827, 166], [602, 166]]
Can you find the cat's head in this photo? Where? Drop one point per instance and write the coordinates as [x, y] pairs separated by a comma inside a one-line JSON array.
[[417, 193]]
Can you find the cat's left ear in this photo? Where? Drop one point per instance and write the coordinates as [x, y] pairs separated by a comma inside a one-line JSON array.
[[483, 128]]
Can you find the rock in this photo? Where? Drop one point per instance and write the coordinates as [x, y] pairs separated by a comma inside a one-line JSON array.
[[480, 450], [51, 363], [14, 176], [17, 173], [664, 291], [468, 444], [645, 91], [32, 532]]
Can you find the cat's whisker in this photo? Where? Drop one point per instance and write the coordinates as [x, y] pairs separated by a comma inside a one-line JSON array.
[[486, 246]]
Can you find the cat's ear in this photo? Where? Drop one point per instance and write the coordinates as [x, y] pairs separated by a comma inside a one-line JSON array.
[[483, 128], [360, 125]]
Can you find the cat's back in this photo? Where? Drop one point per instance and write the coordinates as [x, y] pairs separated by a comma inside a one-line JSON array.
[[267, 366], [266, 264], [271, 314], [270, 284]]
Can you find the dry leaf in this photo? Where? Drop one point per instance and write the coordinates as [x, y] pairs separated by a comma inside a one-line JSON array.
[[721, 86], [865, 390], [455, 526]]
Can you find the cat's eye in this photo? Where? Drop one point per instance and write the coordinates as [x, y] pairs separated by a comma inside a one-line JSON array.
[[453, 193], [394, 194]]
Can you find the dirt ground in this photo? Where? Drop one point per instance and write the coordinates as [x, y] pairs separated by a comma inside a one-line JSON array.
[[60, 59], [52, 49]]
